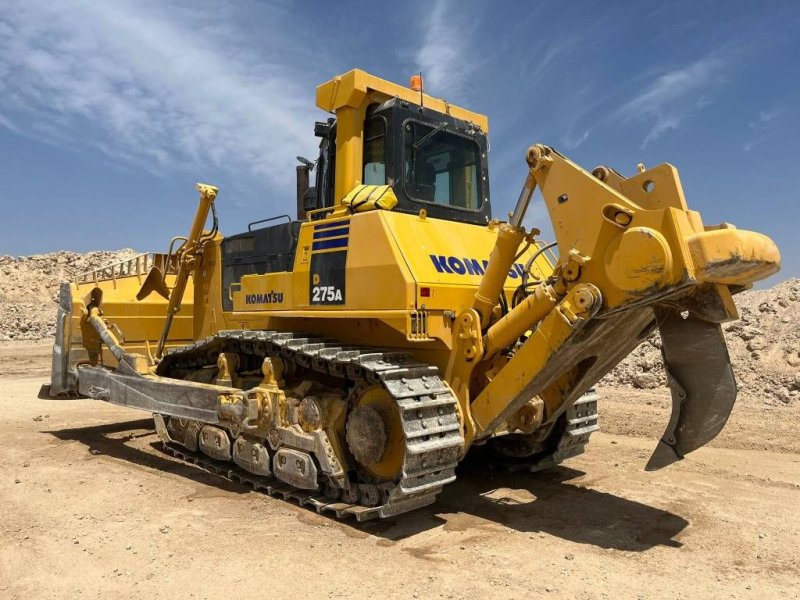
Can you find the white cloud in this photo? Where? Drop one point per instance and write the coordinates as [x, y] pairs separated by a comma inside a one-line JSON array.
[[443, 57], [161, 87], [573, 140], [667, 101], [765, 117], [8, 124], [765, 126]]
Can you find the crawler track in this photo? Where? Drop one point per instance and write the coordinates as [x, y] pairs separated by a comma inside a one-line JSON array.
[[580, 422], [427, 406], [428, 409]]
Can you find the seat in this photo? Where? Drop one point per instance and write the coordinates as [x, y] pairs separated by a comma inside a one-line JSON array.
[[425, 181]]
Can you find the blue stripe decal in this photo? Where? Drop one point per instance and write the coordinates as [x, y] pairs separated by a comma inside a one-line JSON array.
[[329, 225], [328, 233], [328, 244]]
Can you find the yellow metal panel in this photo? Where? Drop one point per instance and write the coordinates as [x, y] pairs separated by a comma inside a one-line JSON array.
[[270, 291], [377, 275], [449, 258], [658, 187], [138, 320], [376, 278]]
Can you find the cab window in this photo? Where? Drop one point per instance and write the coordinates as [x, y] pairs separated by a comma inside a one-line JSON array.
[[441, 166], [375, 152]]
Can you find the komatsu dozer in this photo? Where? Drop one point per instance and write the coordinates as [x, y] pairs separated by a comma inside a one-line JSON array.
[[348, 358]]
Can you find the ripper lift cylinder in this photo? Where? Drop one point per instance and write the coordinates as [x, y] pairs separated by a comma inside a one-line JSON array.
[[505, 249], [509, 236]]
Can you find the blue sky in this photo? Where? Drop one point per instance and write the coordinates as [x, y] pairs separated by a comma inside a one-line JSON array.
[[111, 111]]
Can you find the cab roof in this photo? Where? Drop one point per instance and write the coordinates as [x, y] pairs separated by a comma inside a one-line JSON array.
[[354, 87]]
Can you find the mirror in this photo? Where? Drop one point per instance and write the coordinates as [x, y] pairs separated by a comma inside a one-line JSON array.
[[305, 162]]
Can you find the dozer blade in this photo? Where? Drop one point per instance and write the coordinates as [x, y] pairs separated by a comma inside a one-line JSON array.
[[701, 380]]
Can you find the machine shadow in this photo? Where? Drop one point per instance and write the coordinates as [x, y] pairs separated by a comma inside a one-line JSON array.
[[547, 502], [101, 440]]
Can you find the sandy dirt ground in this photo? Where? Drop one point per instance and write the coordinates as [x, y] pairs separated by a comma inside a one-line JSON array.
[[92, 508]]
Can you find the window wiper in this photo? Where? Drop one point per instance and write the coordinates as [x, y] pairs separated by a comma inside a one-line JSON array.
[[420, 142]]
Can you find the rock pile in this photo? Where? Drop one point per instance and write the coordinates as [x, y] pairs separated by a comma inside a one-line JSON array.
[[29, 289], [764, 347]]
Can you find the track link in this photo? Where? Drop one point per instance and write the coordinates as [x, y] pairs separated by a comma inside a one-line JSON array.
[[428, 409], [581, 421]]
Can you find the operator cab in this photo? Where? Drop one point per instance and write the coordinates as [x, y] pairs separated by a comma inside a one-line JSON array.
[[431, 160]]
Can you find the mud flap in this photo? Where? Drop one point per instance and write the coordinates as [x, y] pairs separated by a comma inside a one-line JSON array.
[[700, 377]]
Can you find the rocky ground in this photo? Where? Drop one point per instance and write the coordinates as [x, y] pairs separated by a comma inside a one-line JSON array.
[[93, 508]]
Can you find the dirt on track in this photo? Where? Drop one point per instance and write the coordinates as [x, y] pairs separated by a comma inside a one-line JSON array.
[[92, 508]]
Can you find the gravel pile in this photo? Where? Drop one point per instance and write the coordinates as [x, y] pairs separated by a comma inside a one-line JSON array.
[[29, 289], [764, 347]]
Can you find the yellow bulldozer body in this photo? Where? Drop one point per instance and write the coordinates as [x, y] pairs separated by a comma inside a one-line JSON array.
[[401, 325], [405, 277]]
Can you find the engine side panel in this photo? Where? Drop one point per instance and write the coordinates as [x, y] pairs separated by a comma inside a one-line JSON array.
[[379, 266]]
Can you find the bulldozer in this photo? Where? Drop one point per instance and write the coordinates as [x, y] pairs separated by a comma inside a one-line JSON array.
[[350, 356]]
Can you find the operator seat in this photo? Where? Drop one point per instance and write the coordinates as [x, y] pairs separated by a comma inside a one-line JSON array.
[[425, 184]]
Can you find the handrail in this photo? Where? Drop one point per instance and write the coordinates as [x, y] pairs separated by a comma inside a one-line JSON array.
[[132, 267], [318, 211], [250, 225]]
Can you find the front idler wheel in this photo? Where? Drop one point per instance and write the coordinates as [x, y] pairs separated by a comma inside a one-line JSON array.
[[375, 434]]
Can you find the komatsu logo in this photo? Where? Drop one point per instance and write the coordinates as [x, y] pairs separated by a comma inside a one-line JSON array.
[[469, 266], [268, 298]]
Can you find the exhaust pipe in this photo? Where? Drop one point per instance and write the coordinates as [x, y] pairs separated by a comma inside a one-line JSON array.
[[302, 171]]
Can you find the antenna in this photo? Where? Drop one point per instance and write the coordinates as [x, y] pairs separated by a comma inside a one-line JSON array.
[[421, 88]]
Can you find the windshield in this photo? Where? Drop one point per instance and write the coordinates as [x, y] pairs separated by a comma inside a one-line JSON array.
[[441, 167]]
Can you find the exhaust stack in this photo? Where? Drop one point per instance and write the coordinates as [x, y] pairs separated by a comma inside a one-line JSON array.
[[302, 187]]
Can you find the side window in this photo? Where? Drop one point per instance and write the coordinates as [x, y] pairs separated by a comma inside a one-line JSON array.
[[375, 152]]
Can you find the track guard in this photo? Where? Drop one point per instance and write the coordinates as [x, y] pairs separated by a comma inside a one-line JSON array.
[[700, 377]]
